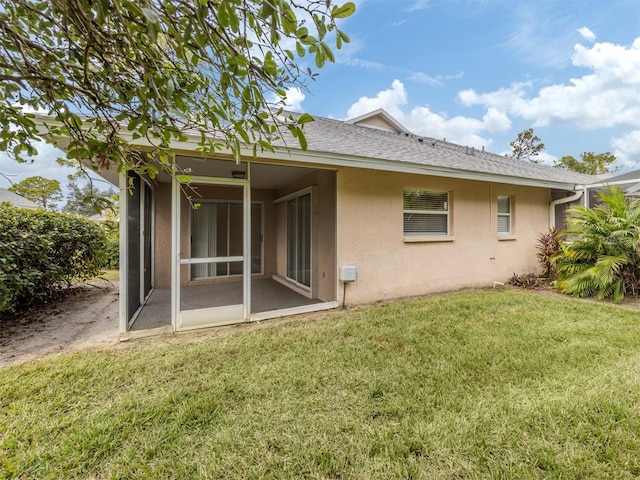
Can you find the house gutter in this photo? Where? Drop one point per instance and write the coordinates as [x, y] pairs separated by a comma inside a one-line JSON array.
[[560, 201]]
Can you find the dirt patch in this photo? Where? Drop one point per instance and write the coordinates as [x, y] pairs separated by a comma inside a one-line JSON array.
[[84, 316]]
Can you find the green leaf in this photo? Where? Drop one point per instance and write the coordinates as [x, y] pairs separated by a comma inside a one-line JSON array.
[[343, 11], [305, 118]]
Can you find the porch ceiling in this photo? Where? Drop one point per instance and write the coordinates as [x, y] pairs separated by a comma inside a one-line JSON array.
[[262, 175]]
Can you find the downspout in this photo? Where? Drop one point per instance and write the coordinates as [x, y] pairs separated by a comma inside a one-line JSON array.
[[560, 201]]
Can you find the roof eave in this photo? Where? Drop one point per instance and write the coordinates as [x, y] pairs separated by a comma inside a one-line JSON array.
[[341, 160]]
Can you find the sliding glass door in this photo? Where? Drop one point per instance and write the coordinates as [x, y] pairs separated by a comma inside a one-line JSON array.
[[299, 240]]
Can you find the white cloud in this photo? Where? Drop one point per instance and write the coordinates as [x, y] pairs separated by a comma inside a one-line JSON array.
[[421, 77], [391, 100], [422, 121], [608, 96], [587, 34], [627, 149], [293, 100], [358, 62]]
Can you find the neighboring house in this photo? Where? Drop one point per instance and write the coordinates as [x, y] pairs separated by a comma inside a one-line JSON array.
[[16, 200], [390, 213]]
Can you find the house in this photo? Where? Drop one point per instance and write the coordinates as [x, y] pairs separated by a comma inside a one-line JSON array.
[[368, 212], [16, 200]]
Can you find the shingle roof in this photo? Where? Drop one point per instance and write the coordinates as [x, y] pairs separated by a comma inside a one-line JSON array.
[[17, 200], [342, 138]]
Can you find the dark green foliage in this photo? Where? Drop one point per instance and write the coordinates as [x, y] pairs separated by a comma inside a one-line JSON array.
[[42, 252], [548, 246], [113, 71], [87, 200], [590, 163], [43, 191], [111, 229], [600, 256], [527, 146]]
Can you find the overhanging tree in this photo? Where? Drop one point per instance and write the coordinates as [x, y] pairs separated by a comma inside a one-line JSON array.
[[111, 72]]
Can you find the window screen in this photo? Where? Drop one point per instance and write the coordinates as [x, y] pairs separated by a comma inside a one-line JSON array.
[[426, 212]]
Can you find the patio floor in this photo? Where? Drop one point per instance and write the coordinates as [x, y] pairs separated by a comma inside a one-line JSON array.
[[266, 295]]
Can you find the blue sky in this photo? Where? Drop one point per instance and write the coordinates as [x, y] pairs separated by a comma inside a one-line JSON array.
[[477, 72]]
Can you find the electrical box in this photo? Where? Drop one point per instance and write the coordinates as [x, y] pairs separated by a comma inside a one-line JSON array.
[[348, 273]]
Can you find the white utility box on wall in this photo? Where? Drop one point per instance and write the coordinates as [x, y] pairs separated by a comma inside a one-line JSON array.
[[348, 273]]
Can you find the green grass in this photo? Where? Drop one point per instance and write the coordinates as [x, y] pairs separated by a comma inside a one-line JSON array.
[[483, 384]]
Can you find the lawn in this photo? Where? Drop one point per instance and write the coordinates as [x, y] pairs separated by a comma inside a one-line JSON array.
[[481, 384]]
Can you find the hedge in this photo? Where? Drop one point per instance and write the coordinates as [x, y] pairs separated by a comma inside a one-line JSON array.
[[111, 229], [42, 252]]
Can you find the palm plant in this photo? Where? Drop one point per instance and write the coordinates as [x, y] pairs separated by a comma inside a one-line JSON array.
[[600, 252]]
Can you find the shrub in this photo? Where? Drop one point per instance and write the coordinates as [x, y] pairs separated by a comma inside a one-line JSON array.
[[600, 257], [42, 252], [548, 247], [111, 229]]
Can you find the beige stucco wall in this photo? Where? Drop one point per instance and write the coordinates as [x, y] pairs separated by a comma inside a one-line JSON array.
[[370, 235], [369, 230], [162, 239]]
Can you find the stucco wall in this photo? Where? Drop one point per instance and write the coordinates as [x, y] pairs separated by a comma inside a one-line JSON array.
[[370, 235]]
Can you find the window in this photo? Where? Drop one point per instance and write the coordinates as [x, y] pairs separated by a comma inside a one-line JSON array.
[[504, 215], [426, 212]]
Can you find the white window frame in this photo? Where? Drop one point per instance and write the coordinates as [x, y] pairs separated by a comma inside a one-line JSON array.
[[507, 215], [446, 213], [312, 191]]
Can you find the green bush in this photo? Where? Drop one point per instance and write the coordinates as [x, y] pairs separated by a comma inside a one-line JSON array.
[[42, 252], [111, 229], [601, 254]]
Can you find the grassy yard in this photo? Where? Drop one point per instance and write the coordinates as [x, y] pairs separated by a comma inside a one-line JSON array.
[[483, 384]]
